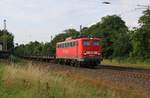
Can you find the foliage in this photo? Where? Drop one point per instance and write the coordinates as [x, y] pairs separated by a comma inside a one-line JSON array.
[[141, 37], [34, 48], [37, 48], [6, 36], [114, 33]]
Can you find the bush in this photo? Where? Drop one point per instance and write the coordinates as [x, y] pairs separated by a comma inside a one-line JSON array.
[[147, 61]]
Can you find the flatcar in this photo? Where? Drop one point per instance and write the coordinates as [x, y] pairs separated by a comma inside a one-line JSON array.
[[79, 51]]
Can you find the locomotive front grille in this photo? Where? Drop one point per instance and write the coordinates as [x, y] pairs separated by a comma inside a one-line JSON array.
[[90, 59]]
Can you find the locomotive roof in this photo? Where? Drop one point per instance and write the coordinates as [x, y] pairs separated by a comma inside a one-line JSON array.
[[71, 40]]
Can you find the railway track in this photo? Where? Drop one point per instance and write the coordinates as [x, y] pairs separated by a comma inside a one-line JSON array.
[[126, 77], [132, 80], [136, 80]]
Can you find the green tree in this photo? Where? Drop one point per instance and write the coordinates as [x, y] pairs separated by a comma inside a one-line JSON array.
[[141, 37], [62, 36], [8, 38], [114, 33]]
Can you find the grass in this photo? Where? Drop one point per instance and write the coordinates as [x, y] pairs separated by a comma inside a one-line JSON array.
[[38, 82], [127, 63], [31, 81]]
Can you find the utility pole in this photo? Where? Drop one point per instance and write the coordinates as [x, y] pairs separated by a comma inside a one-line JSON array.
[[80, 30], [5, 25], [51, 37], [5, 36]]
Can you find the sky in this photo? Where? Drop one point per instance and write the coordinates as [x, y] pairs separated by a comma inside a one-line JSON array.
[[31, 20]]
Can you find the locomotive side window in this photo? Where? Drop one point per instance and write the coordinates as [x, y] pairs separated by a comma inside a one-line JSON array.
[[73, 44], [86, 43], [67, 44], [62, 45], [96, 43]]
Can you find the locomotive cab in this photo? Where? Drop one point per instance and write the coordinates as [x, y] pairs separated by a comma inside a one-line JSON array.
[[91, 51], [82, 51]]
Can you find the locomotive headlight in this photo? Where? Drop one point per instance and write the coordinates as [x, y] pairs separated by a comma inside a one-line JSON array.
[[95, 52], [88, 52], [91, 53], [99, 53], [84, 53]]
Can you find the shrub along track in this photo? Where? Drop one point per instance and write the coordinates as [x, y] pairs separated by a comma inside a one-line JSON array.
[[135, 81]]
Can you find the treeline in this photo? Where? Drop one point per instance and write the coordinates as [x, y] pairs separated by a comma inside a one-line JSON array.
[[118, 41], [7, 38], [37, 48], [34, 48]]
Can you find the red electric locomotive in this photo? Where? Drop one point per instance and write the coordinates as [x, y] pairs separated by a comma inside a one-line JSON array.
[[79, 51]]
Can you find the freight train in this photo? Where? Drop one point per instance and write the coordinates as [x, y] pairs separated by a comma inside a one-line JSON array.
[[79, 51]]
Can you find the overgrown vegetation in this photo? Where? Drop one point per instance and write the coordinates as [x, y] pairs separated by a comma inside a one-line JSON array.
[[37, 82], [34, 81], [118, 41]]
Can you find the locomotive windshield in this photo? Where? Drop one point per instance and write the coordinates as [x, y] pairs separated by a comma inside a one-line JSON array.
[[96, 43], [86, 43], [91, 43]]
